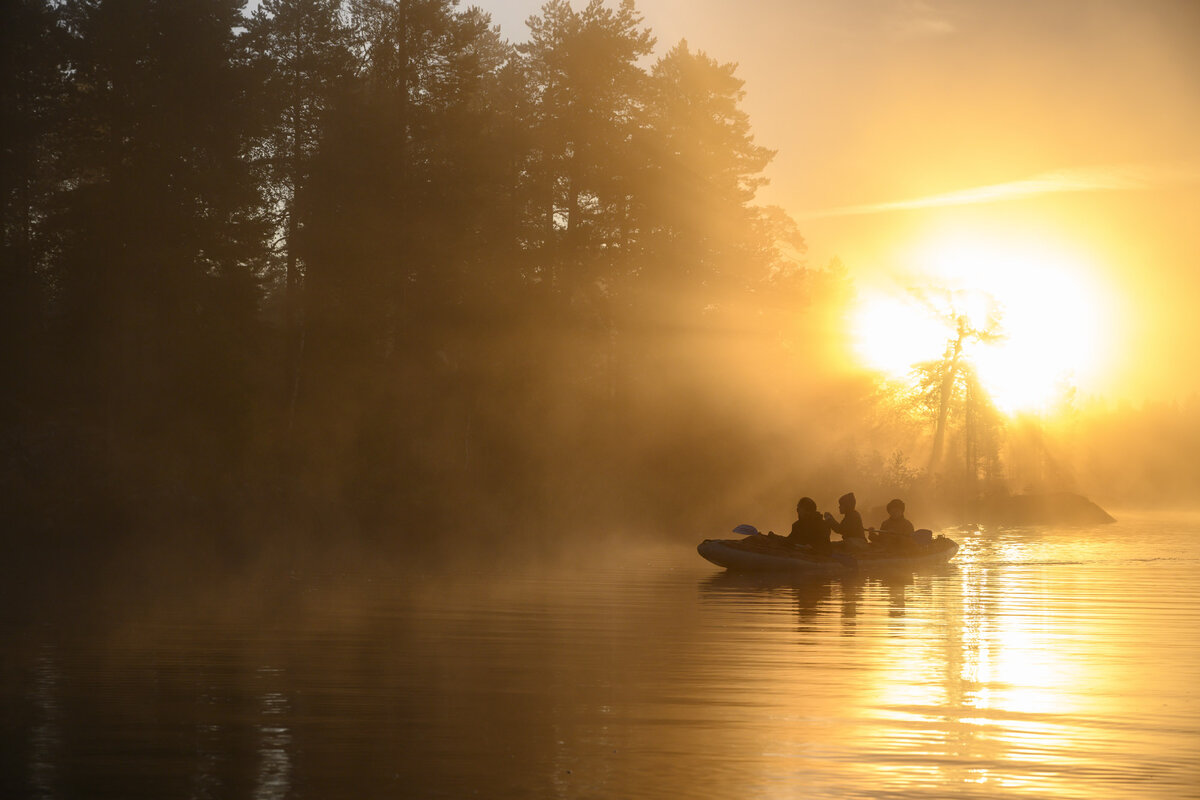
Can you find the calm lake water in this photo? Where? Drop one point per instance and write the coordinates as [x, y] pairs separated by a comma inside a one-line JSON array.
[[1043, 662]]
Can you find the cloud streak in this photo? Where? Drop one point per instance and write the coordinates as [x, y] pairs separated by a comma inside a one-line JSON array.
[[920, 20], [1109, 178]]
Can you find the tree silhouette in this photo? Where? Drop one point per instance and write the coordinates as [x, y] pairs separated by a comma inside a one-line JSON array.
[[945, 380], [707, 169], [33, 90], [465, 262], [160, 238], [589, 96], [302, 53]]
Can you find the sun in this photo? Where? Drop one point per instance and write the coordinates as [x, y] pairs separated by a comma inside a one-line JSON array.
[[1053, 317]]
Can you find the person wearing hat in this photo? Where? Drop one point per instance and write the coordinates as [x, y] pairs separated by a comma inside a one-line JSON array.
[[809, 529], [851, 526]]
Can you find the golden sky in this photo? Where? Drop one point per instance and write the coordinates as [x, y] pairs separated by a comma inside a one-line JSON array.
[[1064, 129]]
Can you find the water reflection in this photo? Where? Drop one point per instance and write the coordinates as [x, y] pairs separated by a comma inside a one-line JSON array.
[[1037, 665], [46, 738], [980, 677], [206, 783], [275, 763], [814, 596]]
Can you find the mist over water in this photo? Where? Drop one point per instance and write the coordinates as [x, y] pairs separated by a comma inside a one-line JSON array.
[[1041, 662], [370, 379]]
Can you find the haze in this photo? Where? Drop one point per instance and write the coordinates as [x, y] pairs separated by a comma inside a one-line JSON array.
[[873, 105], [339, 266], [381, 382]]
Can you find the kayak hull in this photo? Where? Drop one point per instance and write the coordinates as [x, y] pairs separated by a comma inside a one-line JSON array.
[[736, 556], [939, 551], [752, 555]]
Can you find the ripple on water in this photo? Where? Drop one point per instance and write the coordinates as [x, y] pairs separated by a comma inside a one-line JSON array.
[[1041, 663]]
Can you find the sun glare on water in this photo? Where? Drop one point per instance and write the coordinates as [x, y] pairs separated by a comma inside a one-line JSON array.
[[1053, 326]]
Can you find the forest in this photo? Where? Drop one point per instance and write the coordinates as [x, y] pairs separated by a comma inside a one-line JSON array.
[[367, 273]]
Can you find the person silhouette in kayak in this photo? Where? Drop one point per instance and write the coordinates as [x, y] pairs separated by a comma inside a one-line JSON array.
[[809, 529], [896, 529], [851, 526]]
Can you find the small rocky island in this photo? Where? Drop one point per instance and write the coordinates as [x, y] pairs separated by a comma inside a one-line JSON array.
[[1054, 508]]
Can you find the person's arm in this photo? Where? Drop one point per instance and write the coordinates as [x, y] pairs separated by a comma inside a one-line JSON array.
[[790, 538]]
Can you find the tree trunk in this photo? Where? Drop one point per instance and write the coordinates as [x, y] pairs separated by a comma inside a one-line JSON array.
[[945, 395]]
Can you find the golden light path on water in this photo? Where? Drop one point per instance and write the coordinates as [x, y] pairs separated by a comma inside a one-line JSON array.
[[1042, 662], [1005, 688], [1056, 319]]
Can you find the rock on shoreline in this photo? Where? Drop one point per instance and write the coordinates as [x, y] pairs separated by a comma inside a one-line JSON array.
[[1044, 509]]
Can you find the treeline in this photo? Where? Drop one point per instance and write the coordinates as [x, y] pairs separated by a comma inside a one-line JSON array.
[[370, 264]]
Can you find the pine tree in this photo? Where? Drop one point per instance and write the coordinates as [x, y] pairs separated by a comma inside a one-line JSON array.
[[160, 234], [302, 53], [589, 101], [32, 91], [701, 224]]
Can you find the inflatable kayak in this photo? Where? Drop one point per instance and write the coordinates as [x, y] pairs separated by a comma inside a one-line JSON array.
[[760, 554]]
